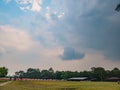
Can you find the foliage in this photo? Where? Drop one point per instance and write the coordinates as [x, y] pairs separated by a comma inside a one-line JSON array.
[[3, 71], [97, 73]]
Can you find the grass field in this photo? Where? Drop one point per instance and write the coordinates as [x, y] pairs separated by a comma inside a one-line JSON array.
[[2, 81], [60, 85]]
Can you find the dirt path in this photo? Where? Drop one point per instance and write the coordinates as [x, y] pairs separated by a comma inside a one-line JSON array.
[[2, 84]]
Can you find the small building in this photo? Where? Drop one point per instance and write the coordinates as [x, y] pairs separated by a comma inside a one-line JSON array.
[[78, 79], [113, 79]]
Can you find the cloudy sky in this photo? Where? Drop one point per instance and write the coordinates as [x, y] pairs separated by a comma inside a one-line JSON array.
[[63, 34]]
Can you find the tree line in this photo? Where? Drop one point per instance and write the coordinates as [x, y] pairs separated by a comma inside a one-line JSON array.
[[97, 73]]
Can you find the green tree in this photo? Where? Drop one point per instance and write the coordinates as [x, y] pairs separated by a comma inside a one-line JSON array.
[[32, 73], [3, 71], [51, 73], [58, 75], [20, 74], [65, 75], [115, 72], [45, 74], [99, 73]]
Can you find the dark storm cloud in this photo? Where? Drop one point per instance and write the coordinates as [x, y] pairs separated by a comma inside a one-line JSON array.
[[97, 26], [71, 54], [86, 24]]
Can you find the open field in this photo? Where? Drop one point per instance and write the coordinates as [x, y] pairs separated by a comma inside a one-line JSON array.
[[2, 81], [60, 85]]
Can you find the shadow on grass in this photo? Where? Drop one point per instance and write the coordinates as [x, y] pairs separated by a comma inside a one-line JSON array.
[[67, 88]]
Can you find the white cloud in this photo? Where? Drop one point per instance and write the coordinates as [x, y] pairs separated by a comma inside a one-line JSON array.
[[14, 39], [48, 9], [47, 15], [61, 15], [25, 8], [33, 5], [36, 5]]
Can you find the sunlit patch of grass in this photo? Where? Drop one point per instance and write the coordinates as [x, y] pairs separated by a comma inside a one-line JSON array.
[[60, 85]]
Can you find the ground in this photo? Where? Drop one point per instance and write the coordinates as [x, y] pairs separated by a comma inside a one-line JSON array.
[[60, 85], [2, 81]]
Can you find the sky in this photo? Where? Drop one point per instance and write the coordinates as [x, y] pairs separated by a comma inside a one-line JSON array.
[[63, 34]]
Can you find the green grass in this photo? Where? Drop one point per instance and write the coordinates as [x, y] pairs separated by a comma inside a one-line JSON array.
[[2, 81], [60, 85]]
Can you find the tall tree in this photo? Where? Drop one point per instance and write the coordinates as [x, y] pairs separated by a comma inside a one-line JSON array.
[[32, 73], [51, 73], [65, 75], [99, 73], [45, 74], [3, 71], [20, 74], [58, 75], [115, 72]]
